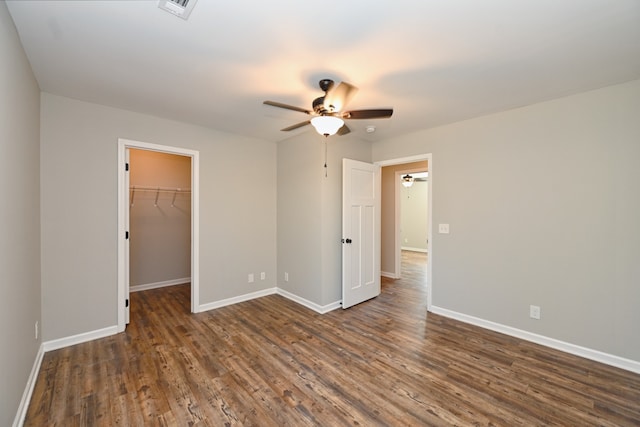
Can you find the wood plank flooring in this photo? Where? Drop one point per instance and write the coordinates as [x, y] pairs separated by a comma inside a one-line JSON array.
[[273, 362]]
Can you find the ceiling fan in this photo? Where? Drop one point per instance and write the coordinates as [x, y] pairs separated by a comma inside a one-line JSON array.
[[408, 180], [327, 110]]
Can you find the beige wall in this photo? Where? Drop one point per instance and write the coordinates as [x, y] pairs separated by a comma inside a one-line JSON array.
[[300, 175], [79, 210], [543, 206], [389, 245], [309, 214], [19, 218], [414, 216], [160, 221]]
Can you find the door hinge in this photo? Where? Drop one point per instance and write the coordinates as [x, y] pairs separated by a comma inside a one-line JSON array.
[[126, 166], [126, 302], [126, 235]]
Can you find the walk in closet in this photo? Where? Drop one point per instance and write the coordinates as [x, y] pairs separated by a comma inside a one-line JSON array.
[[159, 219]]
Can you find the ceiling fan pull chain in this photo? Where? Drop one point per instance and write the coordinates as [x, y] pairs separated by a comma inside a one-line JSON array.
[[325, 156]]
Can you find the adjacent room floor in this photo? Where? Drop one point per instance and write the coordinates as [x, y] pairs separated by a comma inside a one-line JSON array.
[[271, 361]]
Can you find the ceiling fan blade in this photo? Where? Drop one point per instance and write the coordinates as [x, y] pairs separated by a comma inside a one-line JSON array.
[[339, 96], [296, 126], [286, 106], [378, 113], [343, 130]]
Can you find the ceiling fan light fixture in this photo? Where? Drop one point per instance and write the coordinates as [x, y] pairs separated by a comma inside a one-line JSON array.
[[327, 125], [407, 181]]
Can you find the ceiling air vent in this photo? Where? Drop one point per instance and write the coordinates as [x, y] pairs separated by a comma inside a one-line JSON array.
[[181, 8]]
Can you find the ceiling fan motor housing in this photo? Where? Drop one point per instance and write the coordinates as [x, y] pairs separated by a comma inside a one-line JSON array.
[[318, 106], [326, 84], [318, 103]]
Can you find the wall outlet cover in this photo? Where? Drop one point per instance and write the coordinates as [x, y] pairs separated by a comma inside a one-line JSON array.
[[534, 312]]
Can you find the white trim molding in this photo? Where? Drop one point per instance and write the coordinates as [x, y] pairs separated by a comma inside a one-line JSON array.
[[389, 275], [236, 300], [123, 206], [156, 285], [28, 390], [587, 353], [322, 309], [410, 159], [80, 338], [410, 249], [259, 294]]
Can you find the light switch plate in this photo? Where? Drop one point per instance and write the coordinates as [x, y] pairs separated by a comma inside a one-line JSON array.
[[443, 228]]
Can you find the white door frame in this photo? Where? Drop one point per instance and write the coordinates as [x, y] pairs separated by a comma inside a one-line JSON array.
[[420, 157], [123, 206]]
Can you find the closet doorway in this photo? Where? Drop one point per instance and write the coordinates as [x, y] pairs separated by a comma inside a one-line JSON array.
[[158, 221]]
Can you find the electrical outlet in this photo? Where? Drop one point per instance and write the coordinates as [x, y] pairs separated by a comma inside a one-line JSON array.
[[36, 329], [534, 312], [286, 276], [251, 278], [443, 228], [263, 275]]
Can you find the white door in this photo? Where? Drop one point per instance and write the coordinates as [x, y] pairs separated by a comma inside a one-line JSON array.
[[360, 232], [127, 237]]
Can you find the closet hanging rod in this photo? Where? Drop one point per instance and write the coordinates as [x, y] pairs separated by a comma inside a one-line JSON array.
[[164, 189]]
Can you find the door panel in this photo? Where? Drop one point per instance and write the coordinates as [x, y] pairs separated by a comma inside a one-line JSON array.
[[361, 232]]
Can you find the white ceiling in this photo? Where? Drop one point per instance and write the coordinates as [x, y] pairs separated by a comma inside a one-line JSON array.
[[433, 61]]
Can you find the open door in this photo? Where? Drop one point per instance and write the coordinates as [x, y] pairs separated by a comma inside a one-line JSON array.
[[127, 238], [360, 232]]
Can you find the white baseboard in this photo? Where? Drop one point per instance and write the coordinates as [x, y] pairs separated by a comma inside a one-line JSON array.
[[112, 330], [587, 353], [28, 390], [235, 300], [147, 286], [408, 248], [80, 338], [229, 301], [389, 275], [313, 306]]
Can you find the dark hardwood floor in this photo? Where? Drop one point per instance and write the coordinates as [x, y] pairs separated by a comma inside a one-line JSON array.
[[271, 361]]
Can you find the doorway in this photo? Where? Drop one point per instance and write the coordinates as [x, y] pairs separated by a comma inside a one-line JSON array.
[[159, 220], [128, 196], [391, 235]]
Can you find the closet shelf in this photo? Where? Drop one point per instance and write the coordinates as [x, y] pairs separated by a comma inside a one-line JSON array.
[[157, 190]]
